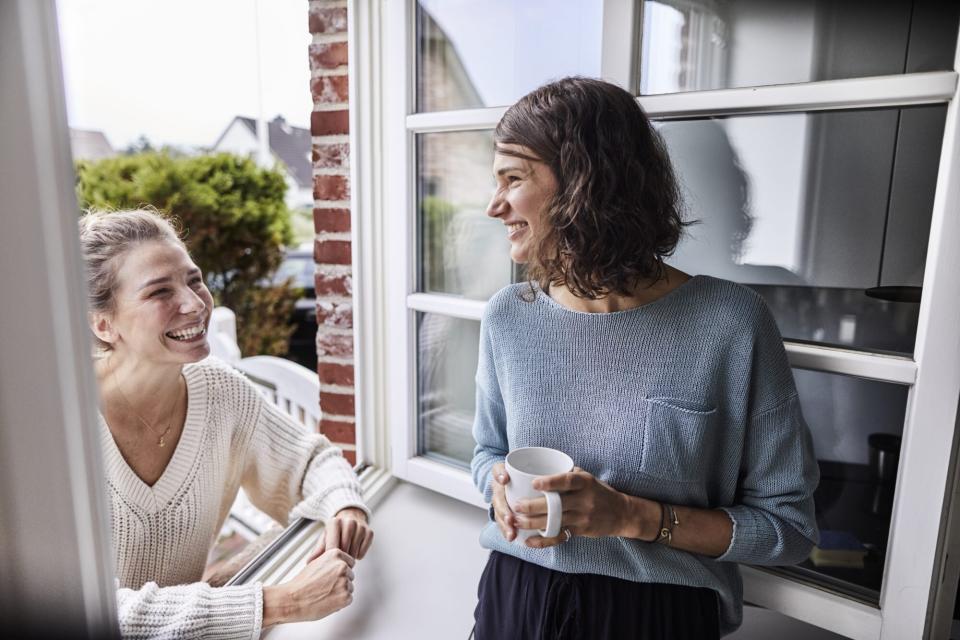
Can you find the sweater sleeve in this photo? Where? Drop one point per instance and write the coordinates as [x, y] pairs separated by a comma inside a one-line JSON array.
[[289, 471], [490, 421], [774, 522], [191, 611]]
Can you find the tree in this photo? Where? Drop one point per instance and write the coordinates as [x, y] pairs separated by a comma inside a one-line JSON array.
[[235, 225]]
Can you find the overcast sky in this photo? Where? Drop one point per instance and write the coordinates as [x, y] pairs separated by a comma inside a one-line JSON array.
[[178, 71]]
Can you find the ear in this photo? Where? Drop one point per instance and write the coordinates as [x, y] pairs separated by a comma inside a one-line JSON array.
[[102, 326]]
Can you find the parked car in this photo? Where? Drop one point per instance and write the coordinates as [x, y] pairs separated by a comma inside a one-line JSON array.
[[298, 266]]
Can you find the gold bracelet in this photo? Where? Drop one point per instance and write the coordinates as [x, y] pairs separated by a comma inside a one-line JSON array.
[[656, 538], [666, 532]]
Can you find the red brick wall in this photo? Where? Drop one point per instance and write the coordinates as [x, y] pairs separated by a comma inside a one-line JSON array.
[[329, 125]]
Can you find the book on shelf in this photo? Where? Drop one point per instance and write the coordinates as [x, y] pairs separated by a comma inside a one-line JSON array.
[[838, 549]]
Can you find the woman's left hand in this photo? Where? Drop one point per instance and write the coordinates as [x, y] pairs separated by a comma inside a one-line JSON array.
[[348, 531], [591, 508]]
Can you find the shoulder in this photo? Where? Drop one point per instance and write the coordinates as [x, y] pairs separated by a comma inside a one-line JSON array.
[[224, 383], [511, 302], [733, 303]]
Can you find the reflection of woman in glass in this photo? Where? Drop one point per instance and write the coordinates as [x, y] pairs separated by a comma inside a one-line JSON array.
[[672, 394], [181, 435]]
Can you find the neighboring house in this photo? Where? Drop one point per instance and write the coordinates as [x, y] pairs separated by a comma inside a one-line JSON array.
[[289, 146], [90, 145]]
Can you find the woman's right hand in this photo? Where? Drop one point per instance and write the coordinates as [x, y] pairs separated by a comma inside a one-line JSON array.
[[324, 586], [501, 510]]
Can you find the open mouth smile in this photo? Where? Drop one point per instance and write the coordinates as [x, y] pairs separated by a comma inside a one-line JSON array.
[[189, 334]]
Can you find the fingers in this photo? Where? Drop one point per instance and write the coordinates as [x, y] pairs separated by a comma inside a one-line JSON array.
[[539, 542], [319, 551], [572, 481], [331, 534], [348, 532], [499, 473], [365, 543], [333, 555]]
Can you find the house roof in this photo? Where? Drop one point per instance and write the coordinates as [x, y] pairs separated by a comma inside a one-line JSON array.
[[90, 145], [290, 144]]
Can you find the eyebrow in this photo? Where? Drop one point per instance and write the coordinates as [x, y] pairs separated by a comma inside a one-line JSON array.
[[164, 279]]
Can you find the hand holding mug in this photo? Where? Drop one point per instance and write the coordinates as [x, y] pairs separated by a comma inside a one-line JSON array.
[[501, 510], [591, 508]]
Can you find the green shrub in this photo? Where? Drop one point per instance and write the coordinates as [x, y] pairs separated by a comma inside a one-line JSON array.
[[235, 224]]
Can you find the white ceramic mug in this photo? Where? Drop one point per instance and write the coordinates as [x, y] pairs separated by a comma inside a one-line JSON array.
[[523, 465]]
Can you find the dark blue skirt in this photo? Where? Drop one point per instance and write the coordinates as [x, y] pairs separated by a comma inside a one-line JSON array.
[[520, 600]]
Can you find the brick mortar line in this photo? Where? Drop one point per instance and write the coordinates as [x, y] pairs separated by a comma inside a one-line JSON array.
[[339, 389], [325, 72], [327, 107], [329, 38], [333, 331], [330, 139], [327, 171], [336, 418], [333, 270], [335, 360], [323, 236], [334, 300], [344, 446]]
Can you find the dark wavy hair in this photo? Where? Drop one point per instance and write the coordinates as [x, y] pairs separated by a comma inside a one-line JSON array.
[[617, 210]]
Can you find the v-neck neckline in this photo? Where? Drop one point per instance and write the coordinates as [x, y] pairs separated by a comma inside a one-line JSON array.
[[156, 497]]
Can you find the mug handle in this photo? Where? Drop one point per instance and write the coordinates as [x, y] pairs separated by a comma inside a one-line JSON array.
[[554, 515]]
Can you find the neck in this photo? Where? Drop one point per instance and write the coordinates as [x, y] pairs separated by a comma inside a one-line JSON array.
[[152, 390], [644, 293]]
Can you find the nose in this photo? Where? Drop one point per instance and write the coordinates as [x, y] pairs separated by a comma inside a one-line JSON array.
[[497, 205], [191, 302]]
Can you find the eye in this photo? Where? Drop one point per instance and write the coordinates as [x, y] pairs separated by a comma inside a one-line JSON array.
[[197, 280], [159, 293]]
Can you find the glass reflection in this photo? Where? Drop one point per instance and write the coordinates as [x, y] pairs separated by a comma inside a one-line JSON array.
[[692, 45], [814, 210], [481, 53], [446, 365], [463, 251], [856, 426]]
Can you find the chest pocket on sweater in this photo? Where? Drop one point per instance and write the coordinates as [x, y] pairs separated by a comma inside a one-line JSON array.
[[679, 440]]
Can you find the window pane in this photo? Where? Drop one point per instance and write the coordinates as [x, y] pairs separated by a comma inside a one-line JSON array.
[[462, 250], [813, 210], [483, 53], [856, 426], [446, 367], [702, 44]]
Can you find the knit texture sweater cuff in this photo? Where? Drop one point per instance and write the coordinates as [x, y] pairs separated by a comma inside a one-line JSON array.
[[191, 611]]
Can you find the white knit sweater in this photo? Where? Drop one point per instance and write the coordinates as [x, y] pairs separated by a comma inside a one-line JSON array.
[[232, 438]]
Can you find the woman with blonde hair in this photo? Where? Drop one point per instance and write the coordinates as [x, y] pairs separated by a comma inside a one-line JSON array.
[[181, 435]]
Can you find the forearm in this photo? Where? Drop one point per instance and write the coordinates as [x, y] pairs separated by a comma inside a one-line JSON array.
[[277, 606], [704, 531]]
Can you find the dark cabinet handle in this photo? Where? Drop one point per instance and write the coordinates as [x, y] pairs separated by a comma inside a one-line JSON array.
[[895, 294]]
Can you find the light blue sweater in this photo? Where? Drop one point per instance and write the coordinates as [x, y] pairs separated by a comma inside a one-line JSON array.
[[688, 400]]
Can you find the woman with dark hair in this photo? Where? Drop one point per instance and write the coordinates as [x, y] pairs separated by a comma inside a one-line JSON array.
[[672, 394]]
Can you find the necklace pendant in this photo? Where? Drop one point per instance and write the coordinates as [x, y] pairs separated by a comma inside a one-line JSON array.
[[161, 443]]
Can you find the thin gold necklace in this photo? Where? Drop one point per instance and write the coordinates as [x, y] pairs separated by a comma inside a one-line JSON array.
[[161, 435]]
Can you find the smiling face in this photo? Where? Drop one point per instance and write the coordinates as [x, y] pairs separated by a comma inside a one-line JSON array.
[[161, 307], [525, 188]]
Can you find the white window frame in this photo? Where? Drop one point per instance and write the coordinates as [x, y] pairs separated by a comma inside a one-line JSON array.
[[56, 561], [914, 567]]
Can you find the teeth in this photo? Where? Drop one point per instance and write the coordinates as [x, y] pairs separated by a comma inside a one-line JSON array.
[[186, 334], [514, 227]]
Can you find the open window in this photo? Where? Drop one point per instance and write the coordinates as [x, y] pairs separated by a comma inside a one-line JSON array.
[[817, 143]]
